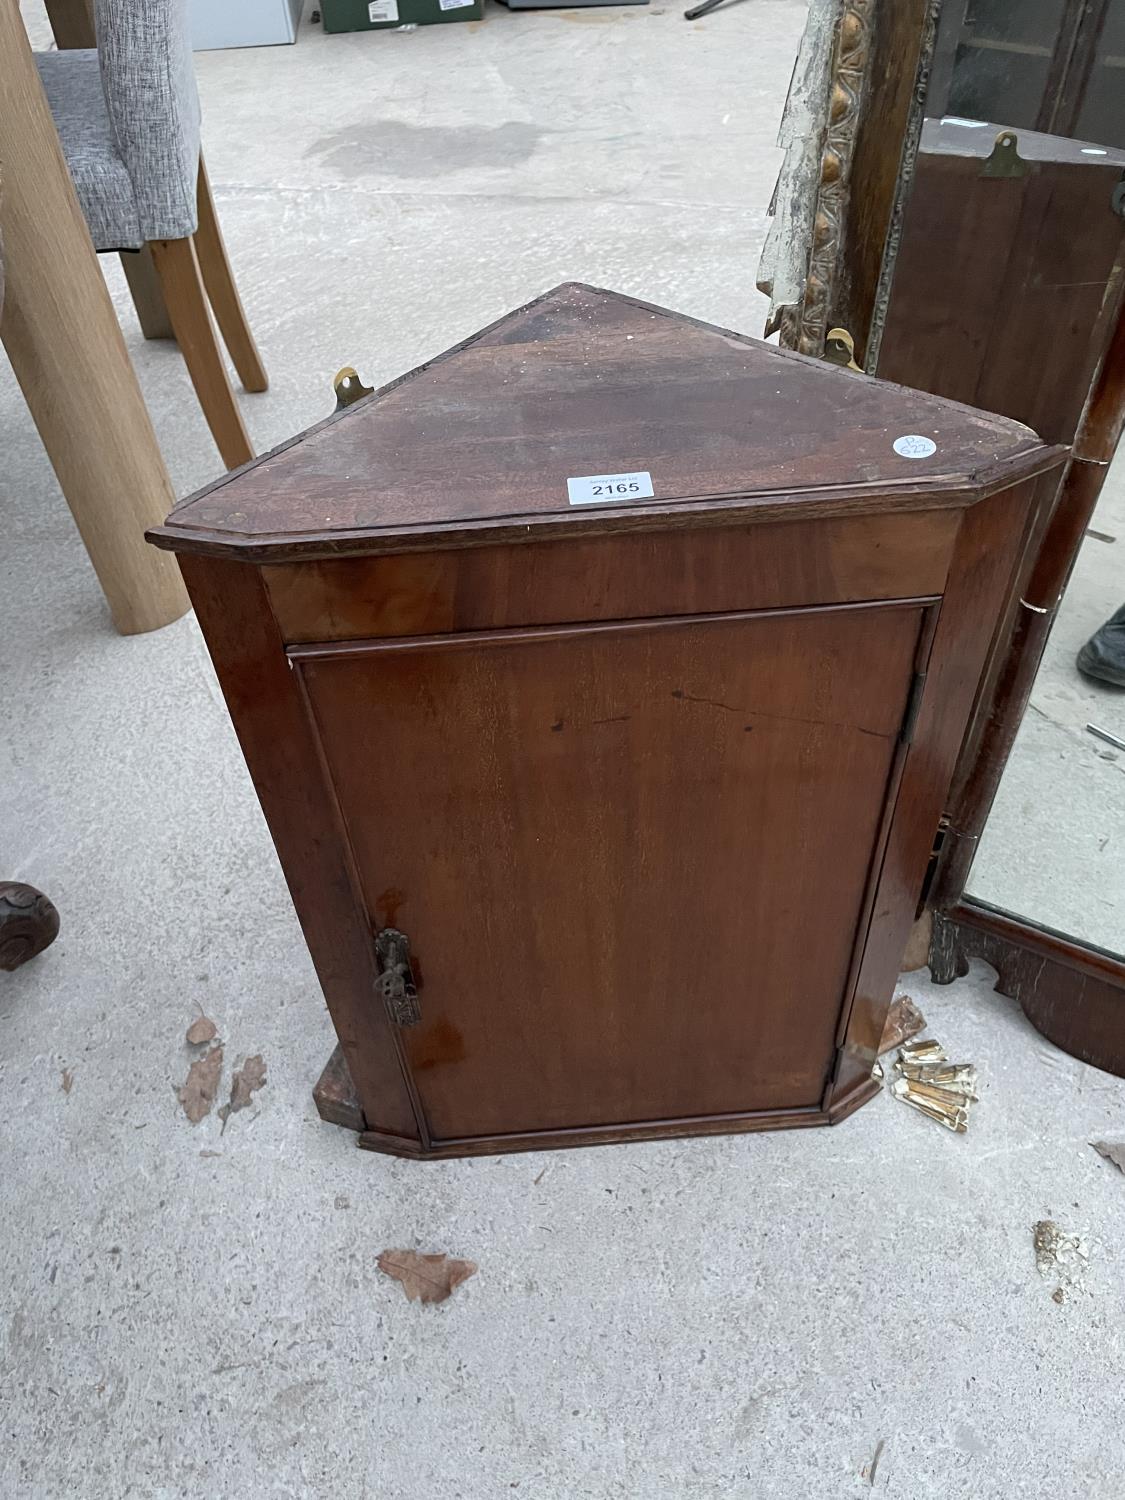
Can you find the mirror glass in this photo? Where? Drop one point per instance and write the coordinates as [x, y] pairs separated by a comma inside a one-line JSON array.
[[1053, 848], [1052, 65]]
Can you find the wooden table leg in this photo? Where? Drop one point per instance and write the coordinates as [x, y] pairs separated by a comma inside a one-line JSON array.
[[66, 347]]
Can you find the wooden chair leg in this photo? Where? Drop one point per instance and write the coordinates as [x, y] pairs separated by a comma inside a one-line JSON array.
[[178, 272], [144, 289], [219, 281]]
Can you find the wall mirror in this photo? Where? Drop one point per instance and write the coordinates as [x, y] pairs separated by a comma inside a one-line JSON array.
[[951, 215]]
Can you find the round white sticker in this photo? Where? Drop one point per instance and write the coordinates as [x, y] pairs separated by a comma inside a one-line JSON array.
[[914, 446]]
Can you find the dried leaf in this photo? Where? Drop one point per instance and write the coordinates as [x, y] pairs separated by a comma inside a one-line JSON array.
[[425, 1278], [1113, 1151], [67, 1080], [248, 1078], [201, 1085], [201, 1030], [904, 1020]]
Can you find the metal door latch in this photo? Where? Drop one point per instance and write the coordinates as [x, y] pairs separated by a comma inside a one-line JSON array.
[[396, 979]]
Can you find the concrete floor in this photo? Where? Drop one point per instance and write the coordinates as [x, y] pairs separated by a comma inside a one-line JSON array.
[[189, 1311]]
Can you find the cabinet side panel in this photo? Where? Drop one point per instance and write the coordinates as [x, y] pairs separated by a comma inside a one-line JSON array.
[[261, 693], [987, 554]]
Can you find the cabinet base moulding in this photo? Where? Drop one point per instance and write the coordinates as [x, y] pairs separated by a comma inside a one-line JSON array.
[[338, 1104]]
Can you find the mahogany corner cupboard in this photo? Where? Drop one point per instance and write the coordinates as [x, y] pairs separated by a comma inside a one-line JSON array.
[[602, 682]]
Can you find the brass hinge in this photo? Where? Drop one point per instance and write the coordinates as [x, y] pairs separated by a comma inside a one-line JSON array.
[[396, 979], [913, 704]]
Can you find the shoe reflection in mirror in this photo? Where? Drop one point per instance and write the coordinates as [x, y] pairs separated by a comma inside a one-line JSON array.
[[1103, 655]]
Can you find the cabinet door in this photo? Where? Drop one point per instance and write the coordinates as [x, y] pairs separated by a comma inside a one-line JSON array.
[[631, 859]]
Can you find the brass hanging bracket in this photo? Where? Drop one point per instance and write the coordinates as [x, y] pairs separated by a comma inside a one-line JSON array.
[[349, 388], [839, 349], [1005, 159]]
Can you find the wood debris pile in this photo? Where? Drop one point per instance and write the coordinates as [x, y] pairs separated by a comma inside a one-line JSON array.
[[927, 1081]]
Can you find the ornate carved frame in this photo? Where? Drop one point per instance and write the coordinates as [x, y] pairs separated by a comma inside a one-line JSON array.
[[907, 164], [851, 57]]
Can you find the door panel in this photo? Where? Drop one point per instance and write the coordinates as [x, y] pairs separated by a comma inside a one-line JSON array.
[[630, 858]]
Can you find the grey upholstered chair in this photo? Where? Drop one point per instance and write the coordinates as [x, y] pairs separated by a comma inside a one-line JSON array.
[[127, 115]]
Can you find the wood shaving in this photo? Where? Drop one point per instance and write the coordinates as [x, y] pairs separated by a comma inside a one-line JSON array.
[[927, 1081], [1060, 1256]]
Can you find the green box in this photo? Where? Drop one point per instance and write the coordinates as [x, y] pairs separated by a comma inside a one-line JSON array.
[[384, 15]]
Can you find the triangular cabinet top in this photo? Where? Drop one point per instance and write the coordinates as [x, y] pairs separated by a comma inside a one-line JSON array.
[[480, 444]]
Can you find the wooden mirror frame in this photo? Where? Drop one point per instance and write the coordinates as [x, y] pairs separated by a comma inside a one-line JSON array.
[[879, 77]]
